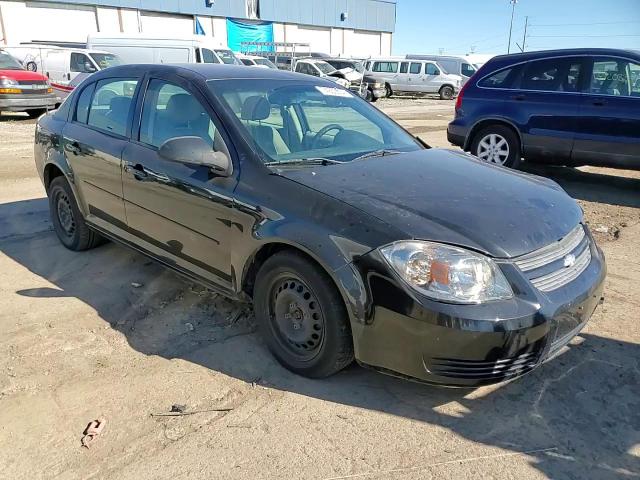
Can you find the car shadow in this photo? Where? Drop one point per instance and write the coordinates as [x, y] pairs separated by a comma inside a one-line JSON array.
[[577, 416], [591, 186], [15, 117]]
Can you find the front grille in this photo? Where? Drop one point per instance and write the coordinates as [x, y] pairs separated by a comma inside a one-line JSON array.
[[479, 370], [33, 87], [549, 268]]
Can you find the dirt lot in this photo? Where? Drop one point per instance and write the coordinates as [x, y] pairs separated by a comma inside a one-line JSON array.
[[107, 333]]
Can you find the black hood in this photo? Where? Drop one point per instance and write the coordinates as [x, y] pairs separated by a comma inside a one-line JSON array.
[[451, 197]]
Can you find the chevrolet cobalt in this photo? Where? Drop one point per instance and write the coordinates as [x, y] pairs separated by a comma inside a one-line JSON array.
[[352, 239]]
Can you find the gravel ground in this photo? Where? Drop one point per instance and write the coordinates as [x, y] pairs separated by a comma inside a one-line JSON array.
[[107, 333]]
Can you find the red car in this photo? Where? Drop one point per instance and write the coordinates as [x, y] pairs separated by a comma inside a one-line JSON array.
[[23, 91]]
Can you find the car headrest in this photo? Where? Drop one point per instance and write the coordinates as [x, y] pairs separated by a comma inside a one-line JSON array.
[[183, 108], [120, 104], [256, 107]]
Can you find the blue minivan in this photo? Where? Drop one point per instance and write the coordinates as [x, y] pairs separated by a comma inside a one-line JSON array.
[[564, 107]]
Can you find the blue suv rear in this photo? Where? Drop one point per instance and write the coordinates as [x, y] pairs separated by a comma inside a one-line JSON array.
[[566, 107]]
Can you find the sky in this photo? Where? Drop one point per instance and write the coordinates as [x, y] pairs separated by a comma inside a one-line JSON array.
[[457, 26]]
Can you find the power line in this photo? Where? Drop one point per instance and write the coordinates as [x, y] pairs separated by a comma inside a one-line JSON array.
[[581, 24], [582, 36]]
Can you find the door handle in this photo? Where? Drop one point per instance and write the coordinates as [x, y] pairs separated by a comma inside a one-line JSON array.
[[138, 171], [518, 97], [74, 147]]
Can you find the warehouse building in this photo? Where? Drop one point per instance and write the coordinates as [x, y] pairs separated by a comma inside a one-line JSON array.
[[338, 27]]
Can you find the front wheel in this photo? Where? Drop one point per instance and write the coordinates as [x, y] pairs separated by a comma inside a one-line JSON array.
[[497, 144], [446, 93], [302, 317], [68, 223], [387, 90]]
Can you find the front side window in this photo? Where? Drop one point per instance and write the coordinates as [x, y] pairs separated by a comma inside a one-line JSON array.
[[613, 76], [415, 68], [298, 120], [468, 70], [404, 67], [226, 56], [105, 60], [80, 63], [247, 62], [431, 69], [110, 105], [170, 111], [324, 67], [208, 56]]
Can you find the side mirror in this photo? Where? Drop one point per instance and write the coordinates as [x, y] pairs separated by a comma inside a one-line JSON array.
[[195, 151], [89, 68]]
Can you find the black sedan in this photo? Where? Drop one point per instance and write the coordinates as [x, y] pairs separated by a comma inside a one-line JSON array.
[[351, 238]]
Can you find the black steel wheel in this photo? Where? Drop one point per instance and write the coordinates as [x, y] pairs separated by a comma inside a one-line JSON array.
[[302, 316], [446, 92], [68, 223]]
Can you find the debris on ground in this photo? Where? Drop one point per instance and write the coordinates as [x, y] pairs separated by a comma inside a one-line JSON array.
[[189, 326], [181, 411], [602, 229], [92, 431], [136, 284]]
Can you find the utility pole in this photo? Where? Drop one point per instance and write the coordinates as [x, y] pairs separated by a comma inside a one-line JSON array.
[[524, 35], [513, 9]]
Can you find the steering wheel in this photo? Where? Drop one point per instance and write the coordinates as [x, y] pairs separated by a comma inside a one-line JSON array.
[[323, 131]]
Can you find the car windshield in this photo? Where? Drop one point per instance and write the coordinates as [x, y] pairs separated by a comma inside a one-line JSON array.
[[293, 120], [227, 57], [266, 62], [105, 60], [7, 62], [324, 67]]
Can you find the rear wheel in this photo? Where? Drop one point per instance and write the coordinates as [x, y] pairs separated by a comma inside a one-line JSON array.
[[68, 223], [302, 317], [497, 144], [446, 92]]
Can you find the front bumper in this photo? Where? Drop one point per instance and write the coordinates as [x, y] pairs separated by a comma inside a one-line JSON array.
[[471, 345], [20, 103]]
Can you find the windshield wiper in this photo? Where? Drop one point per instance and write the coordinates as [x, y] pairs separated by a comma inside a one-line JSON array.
[[303, 161], [377, 153]]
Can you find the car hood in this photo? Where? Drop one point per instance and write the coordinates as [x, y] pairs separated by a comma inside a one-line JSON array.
[[450, 197], [22, 75]]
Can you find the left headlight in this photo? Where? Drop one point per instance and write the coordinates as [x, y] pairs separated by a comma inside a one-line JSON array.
[[447, 273], [8, 82]]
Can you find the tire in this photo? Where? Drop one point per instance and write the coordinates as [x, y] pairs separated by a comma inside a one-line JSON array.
[[446, 92], [68, 222], [499, 133], [31, 66], [368, 96], [36, 112], [388, 90], [290, 290]]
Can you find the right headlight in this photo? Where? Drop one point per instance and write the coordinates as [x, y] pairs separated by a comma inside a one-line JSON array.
[[446, 273]]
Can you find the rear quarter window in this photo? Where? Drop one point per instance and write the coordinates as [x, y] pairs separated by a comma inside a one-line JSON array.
[[500, 79]]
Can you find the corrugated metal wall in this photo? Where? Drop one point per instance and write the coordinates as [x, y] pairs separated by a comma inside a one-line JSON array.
[[374, 15], [377, 15]]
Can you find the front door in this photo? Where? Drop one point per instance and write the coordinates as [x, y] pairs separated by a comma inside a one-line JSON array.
[[430, 78], [181, 213], [414, 77], [93, 143], [609, 127]]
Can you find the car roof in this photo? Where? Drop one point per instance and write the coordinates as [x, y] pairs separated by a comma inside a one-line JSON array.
[[521, 57], [206, 71]]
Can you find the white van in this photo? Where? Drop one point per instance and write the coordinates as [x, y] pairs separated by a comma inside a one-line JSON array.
[[403, 76], [65, 67], [451, 64], [141, 48]]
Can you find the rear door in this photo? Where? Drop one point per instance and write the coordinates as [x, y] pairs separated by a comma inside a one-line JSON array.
[[93, 142], [608, 131], [178, 212], [545, 104]]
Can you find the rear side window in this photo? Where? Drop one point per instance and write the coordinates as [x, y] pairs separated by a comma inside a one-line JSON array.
[[553, 75], [415, 68], [111, 104], [499, 79], [404, 67], [385, 67]]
